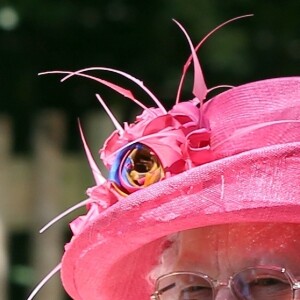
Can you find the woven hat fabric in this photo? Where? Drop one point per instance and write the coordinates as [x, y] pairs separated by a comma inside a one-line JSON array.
[[252, 174]]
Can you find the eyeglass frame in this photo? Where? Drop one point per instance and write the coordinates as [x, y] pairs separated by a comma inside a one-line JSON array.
[[294, 283]]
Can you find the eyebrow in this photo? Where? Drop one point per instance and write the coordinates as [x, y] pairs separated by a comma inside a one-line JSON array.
[[166, 288]]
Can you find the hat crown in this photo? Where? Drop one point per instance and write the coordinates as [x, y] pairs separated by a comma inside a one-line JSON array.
[[254, 115]]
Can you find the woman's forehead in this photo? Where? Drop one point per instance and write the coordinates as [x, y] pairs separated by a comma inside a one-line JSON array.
[[235, 246], [241, 233]]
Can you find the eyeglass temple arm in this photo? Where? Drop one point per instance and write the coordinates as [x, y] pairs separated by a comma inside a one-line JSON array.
[[155, 295]]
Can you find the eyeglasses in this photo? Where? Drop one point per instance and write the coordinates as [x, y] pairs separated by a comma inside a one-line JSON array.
[[253, 283]]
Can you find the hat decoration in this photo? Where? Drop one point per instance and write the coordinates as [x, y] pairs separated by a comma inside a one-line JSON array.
[[175, 140], [160, 144]]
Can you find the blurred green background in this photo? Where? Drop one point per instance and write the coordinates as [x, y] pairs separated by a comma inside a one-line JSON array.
[[135, 36]]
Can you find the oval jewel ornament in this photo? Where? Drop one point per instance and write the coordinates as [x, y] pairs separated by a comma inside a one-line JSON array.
[[135, 167]]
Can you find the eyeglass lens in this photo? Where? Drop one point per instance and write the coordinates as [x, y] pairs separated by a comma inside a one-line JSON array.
[[185, 287], [259, 284], [250, 284]]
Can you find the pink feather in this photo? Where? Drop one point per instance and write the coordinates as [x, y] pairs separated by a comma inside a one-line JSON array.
[[44, 281], [199, 88], [135, 80], [188, 62], [110, 114], [66, 212], [126, 93], [99, 178]]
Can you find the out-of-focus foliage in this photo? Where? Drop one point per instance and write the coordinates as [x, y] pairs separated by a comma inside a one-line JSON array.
[[139, 37]]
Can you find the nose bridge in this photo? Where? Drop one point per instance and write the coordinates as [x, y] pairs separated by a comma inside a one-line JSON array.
[[296, 294], [223, 292]]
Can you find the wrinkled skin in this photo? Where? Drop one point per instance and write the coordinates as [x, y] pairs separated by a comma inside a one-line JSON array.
[[220, 251]]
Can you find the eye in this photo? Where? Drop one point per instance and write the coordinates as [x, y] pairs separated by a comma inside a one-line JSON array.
[[196, 292], [266, 282], [264, 288], [270, 288], [135, 167]]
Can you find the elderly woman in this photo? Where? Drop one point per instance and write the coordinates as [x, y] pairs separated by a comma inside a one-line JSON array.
[[233, 261], [202, 201]]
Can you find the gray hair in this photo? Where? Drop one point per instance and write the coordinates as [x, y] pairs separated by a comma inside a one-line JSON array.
[[167, 260]]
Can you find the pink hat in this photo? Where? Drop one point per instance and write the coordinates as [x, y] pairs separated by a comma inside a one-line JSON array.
[[235, 158]]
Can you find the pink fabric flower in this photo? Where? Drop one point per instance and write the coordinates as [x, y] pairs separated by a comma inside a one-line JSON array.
[[180, 138]]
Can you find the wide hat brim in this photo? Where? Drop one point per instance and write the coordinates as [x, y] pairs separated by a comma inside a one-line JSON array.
[[112, 257]]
